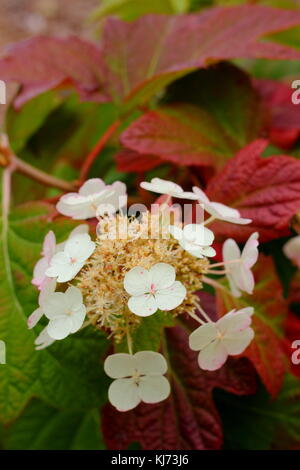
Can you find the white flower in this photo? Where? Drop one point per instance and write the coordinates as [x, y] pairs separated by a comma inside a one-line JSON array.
[[160, 186], [229, 336], [139, 377], [48, 288], [194, 238], [43, 340], [292, 250], [67, 263], [65, 311], [85, 203], [238, 265], [49, 249], [218, 210], [153, 289]]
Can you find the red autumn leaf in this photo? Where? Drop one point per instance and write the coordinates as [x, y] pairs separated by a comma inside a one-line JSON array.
[[131, 161], [292, 331], [266, 190], [42, 63], [284, 127], [188, 419], [266, 351], [139, 58], [213, 113]]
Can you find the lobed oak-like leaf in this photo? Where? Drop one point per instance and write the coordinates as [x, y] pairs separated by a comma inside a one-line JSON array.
[[266, 190], [136, 60]]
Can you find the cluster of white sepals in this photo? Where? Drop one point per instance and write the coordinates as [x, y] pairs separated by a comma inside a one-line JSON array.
[[140, 377]]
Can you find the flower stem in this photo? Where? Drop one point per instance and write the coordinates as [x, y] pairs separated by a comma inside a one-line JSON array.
[[209, 220], [129, 342], [203, 313], [195, 317], [90, 158], [215, 284], [42, 177]]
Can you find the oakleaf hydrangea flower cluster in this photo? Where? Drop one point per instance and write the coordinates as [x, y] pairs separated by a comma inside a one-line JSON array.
[[137, 266]]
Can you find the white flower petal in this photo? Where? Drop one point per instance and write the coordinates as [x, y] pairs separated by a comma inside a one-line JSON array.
[[80, 247], [198, 234], [142, 305], [55, 305], [248, 310], [162, 275], [200, 195], [231, 250], [61, 268], [203, 336], [250, 251], [43, 340], [47, 289], [244, 279], [137, 281], [92, 186], [123, 394], [238, 342], [39, 272], [209, 251], [153, 389], [171, 297], [73, 297], [77, 318], [213, 356], [60, 327], [49, 245], [120, 365], [150, 363]]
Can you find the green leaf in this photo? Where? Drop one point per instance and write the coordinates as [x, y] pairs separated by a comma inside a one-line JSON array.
[[258, 422], [67, 374], [41, 427], [132, 9], [21, 124]]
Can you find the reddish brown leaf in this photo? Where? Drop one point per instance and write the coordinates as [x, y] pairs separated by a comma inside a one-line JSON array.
[[266, 351], [131, 161], [266, 190], [284, 128], [188, 419], [42, 63], [141, 57]]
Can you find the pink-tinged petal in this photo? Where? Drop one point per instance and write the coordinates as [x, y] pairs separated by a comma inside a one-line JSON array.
[[213, 356], [48, 287], [43, 340], [92, 186], [233, 287], [162, 275], [153, 389], [123, 394], [142, 305], [49, 245], [233, 322], [79, 247], [203, 336], [120, 365], [236, 343], [39, 272], [34, 318], [171, 297]]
